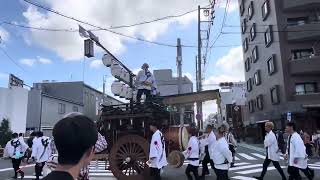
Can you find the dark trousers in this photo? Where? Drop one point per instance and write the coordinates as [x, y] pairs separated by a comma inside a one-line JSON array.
[[38, 169], [143, 91], [194, 170], [155, 173], [222, 174], [293, 173], [307, 172], [16, 165], [205, 161], [276, 164]]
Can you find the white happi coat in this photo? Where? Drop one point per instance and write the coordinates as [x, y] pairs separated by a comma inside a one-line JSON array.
[[39, 151], [157, 151], [144, 76], [192, 152], [211, 143], [270, 142], [222, 156], [16, 153], [297, 150]]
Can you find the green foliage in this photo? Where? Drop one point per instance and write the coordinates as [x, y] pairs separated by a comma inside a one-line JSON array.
[[5, 132]]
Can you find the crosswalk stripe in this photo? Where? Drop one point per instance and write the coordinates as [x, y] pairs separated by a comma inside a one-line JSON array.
[[258, 155], [245, 167], [243, 178], [314, 167], [257, 170], [247, 156], [100, 174], [240, 164], [98, 171], [236, 158]]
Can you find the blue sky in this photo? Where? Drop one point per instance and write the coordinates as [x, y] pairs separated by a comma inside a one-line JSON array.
[[52, 56]]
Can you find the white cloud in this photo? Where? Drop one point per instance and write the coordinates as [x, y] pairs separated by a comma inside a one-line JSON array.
[[96, 64], [28, 62], [106, 14], [31, 62], [4, 34], [44, 60], [233, 5]]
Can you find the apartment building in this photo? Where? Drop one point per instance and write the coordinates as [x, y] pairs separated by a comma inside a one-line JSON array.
[[281, 47]]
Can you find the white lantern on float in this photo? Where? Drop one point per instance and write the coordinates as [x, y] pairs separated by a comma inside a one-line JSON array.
[[116, 70], [123, 91], [107, 60], [128, 93], [134, 94], [124, 75], [116, 88]]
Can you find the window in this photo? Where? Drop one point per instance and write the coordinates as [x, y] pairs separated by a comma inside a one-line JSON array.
[[62, 108], [249, 85], [245, 45], [253, 31], [257, 78], [242, 7], [244, 25], [306, 88], [265, 10], [255, 54], [275, 95], [250, 10], [259, 101], [91, 98], [251, 106], [297, 21], [247, 64], [271, 65], [302, 53], [268, 37], [75, 109]]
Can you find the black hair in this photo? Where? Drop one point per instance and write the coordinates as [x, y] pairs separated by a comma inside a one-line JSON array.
[[20, 134], [209, 126], [33, 133], [155, 124], [293, 125], [14, 135], [39, 134], [193, 131], [73, 137]]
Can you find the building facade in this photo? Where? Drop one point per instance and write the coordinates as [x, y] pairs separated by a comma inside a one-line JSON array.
[[168, 85], [50, 101], [281, 47], [13, 107]]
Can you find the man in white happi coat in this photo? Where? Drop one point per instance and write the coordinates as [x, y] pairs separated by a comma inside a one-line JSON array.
[[145, 83], [15, 150], [41, 152], [222, 156], [157, 154], [209, 144], [272, 152], [192, 155], [296, 155]]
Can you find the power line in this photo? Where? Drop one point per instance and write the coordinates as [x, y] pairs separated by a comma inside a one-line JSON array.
[[11, 59], [98, 27]]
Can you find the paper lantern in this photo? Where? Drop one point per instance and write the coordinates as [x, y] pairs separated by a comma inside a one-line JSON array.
[[116, 70], [116, 88], [107, 60]]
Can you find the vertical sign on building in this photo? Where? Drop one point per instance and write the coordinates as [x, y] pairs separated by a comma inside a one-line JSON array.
[[289, 117]]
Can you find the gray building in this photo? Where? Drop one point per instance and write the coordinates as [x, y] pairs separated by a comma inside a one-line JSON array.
[[168, 85], [281, 45], [50, 101]]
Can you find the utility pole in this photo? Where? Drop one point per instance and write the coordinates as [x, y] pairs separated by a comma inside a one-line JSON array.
[[104, 90], [199, 79], [179, 70]]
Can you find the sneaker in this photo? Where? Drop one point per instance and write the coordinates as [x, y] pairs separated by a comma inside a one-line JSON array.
[[22, 174]]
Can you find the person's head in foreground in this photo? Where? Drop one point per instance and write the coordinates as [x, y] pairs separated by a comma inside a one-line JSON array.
[[145, 66], [209, 128], [221, 131], [154, 126], [75, 136]]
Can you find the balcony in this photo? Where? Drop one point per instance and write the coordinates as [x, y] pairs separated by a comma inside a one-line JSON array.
[[294, 5], [304, 32], [310, 98], [306, 66]]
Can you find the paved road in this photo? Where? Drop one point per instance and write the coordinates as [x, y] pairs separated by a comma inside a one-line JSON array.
[[248, 164]]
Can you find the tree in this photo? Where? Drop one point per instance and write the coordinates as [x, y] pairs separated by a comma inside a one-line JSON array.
[[5, 132]]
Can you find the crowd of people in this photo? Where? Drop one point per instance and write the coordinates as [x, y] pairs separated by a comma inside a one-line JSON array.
[[68, 153]]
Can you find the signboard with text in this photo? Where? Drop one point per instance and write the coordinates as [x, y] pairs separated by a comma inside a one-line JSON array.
[[15, 81]]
